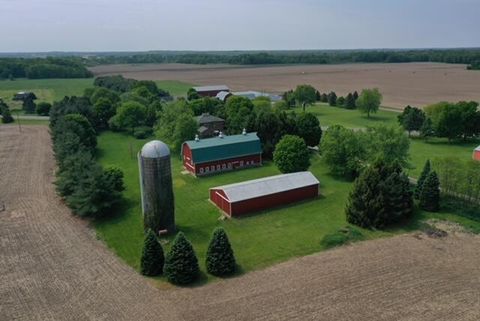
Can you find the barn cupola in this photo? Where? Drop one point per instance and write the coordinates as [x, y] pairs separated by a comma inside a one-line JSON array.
[[197, 139], [220, 135], [244, 132]]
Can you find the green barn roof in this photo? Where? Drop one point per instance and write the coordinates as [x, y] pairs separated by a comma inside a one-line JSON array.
[[226, 147]]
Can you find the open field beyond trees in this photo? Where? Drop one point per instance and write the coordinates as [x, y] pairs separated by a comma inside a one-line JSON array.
[[417, 84]]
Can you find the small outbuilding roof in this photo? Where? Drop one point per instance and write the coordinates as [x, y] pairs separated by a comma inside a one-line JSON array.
[[266, 186], [212, 88], [155, 149], [477, 149], [223, 95], [224, 147], [207, 118]]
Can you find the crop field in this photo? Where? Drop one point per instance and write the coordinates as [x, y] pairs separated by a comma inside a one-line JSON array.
[[417, 84]]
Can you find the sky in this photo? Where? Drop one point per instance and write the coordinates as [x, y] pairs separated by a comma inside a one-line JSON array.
[[139, 25]]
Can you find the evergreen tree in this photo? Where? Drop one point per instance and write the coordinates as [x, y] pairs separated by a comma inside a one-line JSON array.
[[181, 264], [355, 95], [318, 96], [5, 113], [324, 98], [220, 258], [29, 105], [427, 128], [423, 176], [341, 101], [152, 260], [381, 196], [430, 194], [350, 101], [332, 99]]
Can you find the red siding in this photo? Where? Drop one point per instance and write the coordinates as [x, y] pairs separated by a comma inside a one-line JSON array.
[[218, 166], [476, 155], [263, 202]]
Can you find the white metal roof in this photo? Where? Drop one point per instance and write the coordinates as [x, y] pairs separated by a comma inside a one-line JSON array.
[[477, 149], [267, 186], [212, 88], [155, 149]]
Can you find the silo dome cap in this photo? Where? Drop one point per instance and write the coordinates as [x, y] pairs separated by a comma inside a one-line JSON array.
[[155, 149]]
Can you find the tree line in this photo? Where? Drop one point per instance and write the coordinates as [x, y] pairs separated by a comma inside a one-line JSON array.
[[39, 68], [457, 56]]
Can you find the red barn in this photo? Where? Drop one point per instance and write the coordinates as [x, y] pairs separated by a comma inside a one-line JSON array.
[[210, 91], [476, 154], [222, 153], [264, 193]]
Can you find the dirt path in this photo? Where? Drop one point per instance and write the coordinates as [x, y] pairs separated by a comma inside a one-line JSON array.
[[51, 265], [53, 268]]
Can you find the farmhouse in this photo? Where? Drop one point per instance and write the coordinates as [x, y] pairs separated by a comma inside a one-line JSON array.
[[209, 125], [210, 91], [476, 154], [260, 194], [221, 153]]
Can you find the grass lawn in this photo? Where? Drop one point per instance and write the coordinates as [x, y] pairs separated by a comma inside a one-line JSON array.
[[175, 88], [48, 90], [420, 150], [259, 240], [349, 118]]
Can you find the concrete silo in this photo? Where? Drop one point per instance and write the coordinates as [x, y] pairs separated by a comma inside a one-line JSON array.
[[156, 187]]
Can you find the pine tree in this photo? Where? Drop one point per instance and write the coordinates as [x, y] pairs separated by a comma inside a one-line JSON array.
[[220, 258], [350, 101], [426, 170], [380, 196], [355, 95], [152, 260], [430, 194], [332, 99], [181, 264], [29, 105], [318, 96]]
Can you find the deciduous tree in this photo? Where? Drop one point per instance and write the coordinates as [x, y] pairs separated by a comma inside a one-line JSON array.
[[369, 101]]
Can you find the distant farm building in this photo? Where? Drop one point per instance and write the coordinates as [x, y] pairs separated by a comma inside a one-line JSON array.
[[223, 95], [222, 153], [210, 91], [476, 154], [264, 193], [255, 94], [23, 95], [209, 125]]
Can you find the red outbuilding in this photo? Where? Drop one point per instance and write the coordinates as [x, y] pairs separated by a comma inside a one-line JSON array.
[[222, 153], [476, 154], [211, 91], [264, 193]]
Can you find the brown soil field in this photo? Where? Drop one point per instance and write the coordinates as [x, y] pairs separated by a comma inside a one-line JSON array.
[[52, 267], [416, 84]]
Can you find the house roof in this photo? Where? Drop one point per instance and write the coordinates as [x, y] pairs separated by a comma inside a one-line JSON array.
[[217, 148], [207, 118], [212, 88], [267, 186]]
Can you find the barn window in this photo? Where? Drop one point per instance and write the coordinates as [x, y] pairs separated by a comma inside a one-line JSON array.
[[229, 165], [224, 166], [201, 170], [207, 169], [213, 168], [218, 167], [241, 163]]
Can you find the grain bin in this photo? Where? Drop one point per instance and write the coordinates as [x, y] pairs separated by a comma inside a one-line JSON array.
[[156, 187]]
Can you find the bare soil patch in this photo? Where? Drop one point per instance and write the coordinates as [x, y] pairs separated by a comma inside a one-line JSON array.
[[417, 84], [53, 268]]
